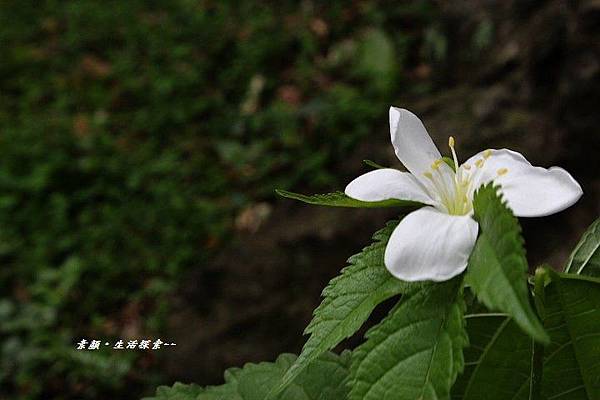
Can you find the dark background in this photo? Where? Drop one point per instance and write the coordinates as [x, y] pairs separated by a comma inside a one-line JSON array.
[[141, 143]]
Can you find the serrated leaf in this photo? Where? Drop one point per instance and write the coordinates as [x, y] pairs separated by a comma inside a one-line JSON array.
[[349, 299], [500, 354], [416, 352], [179, 391], [497, 268], [340, 199], [572, 360], [227, 391], [585, 259], [323, 379]]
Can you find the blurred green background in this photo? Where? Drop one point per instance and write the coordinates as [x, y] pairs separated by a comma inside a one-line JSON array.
[[141, 143]]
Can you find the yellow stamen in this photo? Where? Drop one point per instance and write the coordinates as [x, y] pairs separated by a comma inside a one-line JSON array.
[[487, 154], [502, 171], [428, 175], [479, 163], [436, 164], [451, 143]]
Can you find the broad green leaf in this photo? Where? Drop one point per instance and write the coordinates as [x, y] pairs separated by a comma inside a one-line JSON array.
[[500, 354], [572, 360], [339, 199], [417, 351], [497, 268], [481, 328], [498, 365], [178, 391], [585, 259], [349, 299], [323, 379]]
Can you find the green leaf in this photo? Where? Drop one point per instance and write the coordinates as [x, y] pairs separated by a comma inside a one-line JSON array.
[[498, 364], [585, 259], [500, 354], [179, 391], [324, 379], [417, 351], [481, 329], [497, 268], [339, 199], [572, 360], [349, 299]]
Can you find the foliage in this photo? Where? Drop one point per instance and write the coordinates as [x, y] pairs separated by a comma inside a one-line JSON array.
[[501, 354], [323, 379], [178, 391], [585, 259], [427, 348], [416, 352], [339, 199], [349, 299], [132, 134], [572, 314], [498, 267]]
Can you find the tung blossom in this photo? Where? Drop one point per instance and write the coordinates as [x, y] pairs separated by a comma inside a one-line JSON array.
[[435, 241]]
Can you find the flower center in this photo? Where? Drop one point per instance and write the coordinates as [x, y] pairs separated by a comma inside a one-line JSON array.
[[454, 187]]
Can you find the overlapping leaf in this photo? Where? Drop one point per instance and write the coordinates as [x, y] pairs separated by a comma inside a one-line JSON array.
[[340, 199], [416, 352], [572, 360], [497, 268], [178, 391], [499, 357], [585, 259], [498, 363], [323, 379], [349, 299]]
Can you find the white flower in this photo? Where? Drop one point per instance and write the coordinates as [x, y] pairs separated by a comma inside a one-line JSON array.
[[435, 241]]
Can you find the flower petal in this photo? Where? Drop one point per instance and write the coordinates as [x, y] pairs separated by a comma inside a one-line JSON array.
[[430, 245], [530, 191], [412, 144], [385, 184]]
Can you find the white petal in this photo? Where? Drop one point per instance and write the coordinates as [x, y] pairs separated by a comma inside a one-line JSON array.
[[412, 144], [387, 183], [530, 191], [430, 245]]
